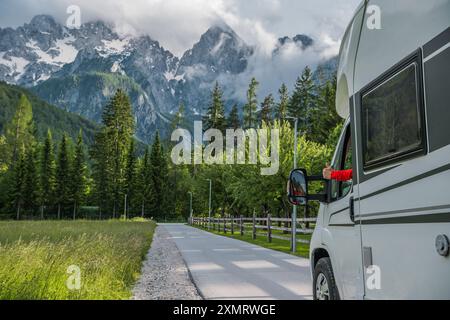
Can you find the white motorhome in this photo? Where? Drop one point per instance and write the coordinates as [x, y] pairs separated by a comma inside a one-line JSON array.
[[385, 234]]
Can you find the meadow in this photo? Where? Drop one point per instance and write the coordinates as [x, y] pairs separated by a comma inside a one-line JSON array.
[[36, 258]]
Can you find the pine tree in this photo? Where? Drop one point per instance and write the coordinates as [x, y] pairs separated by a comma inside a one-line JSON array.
[[251, 106], [63, 175], [215, 116], [267, 109], [78, 178], [282, 105], [130, 175], [303, 99], [159, 170], [47, 173], [19, 131], [101, 172], [324, 117], [3, 155], [144, 183], [119, 125], [233, 121], [18, 186], [31, 182]]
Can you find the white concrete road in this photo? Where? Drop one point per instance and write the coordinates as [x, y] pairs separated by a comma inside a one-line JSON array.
[[224, 268]]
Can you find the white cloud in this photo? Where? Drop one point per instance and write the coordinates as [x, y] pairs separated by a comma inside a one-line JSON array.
[[177, 24]]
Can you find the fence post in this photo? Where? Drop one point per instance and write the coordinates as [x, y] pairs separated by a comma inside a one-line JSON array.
[[269, 230], [254, 227], [225, 225], [242, 225], [232, 225]]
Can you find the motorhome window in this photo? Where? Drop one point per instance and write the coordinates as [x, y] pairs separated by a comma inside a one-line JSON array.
[[336, 166], [391, 118], [346, 186], [343, 161]]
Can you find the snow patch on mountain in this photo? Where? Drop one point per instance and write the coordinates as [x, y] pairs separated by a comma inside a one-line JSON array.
[[112, 47], [67, 51], [171, 75], [15, 65]]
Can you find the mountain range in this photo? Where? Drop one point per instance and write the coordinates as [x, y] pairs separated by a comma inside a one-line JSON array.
[[78, 70]]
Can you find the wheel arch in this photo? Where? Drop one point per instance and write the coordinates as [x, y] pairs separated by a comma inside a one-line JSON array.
[[318, 254]]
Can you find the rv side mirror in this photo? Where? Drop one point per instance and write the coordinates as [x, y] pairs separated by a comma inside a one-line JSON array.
[[298, 187]]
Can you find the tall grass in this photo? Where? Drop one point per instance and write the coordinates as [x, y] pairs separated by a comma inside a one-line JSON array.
[[34, 257]]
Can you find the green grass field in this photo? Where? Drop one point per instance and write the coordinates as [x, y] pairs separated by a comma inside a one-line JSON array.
[[35, 256], [276, 244]]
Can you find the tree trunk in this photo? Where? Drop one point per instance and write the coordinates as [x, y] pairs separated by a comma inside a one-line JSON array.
[[143, 209], [42, 212], [59, 211], [18, 210], [114, 210], [74, 210]]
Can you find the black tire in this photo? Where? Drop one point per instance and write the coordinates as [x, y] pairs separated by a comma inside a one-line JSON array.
[[323, 270]]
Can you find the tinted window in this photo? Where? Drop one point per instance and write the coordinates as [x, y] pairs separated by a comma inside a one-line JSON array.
[[391, 118]]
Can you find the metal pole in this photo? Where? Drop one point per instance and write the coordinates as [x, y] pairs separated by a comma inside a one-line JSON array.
[[210, 194], [294, 210], [190, 206]]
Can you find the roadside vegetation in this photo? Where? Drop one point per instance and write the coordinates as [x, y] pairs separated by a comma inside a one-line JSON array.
[[35, 257], [241, 189], [44, 178]]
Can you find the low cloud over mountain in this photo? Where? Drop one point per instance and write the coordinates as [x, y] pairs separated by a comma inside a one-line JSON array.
[[79, 69]]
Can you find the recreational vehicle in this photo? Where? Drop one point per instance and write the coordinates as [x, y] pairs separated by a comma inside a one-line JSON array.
[[385, 233]]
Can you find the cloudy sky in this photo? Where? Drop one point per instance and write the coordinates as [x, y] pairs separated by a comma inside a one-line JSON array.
[[177, 24]]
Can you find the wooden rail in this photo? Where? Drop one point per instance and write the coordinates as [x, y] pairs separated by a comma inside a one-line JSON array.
[[257, 226]]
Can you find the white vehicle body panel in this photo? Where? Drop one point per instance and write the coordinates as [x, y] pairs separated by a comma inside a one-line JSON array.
[[399, 208]]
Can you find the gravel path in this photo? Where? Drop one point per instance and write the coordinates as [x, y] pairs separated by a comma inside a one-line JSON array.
[[164, 275]]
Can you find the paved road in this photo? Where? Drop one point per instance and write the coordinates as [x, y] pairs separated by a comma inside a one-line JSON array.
[[224, 268]]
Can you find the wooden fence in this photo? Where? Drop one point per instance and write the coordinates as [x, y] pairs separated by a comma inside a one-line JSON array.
[[271, 228]]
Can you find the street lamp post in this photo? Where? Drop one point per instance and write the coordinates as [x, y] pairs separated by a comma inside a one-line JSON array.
[[294, 209], [209, 205], [190, 207]]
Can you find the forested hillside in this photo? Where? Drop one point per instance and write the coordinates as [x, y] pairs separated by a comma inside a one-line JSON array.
[[45, 116], [48, 175]]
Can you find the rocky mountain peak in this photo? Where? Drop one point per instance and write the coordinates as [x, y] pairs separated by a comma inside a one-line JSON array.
[[43, 23], [302, 41], [219, 50], [79, 69]]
